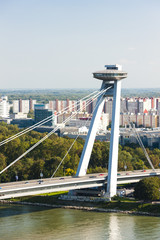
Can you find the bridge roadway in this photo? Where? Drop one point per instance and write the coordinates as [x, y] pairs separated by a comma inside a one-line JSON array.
[[33, 187]]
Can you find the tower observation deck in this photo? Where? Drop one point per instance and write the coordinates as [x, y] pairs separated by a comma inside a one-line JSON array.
[[111, 73]]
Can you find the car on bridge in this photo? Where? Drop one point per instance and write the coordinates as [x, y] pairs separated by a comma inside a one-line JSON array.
[[40, 181]]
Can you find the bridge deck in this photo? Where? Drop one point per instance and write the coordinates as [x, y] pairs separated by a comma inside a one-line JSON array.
[[33, 187]]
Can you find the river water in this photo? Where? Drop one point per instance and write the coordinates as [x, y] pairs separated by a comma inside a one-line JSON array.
[[36, 223]]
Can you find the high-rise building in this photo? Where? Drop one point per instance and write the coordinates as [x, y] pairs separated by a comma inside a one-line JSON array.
[[4, 107], [132, 105], [67, 105], [31, 104], [41, 113], [23, 106], [123, 106], [144, 104], [16, 106], [108, 107], [140, 119]]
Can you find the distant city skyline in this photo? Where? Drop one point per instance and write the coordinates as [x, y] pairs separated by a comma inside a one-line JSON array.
[[59, 44], [140, 111]]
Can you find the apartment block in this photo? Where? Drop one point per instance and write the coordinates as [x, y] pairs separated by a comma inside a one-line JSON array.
[[4, 107], [23, 106], [146, 120]]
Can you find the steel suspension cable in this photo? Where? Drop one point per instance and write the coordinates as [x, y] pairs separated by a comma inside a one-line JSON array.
[[64, 156], [141, 144], [41, 122], [73, 142], [45, 137], [143, 148]]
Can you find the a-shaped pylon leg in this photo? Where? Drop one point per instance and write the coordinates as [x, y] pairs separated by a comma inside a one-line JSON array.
[[87, 149], [113, 153]]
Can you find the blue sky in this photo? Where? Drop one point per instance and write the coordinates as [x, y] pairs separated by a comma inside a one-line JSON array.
[[59, 43]]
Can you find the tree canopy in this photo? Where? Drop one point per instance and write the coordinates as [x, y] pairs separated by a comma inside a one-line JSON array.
[[148, 189], [49, 154]]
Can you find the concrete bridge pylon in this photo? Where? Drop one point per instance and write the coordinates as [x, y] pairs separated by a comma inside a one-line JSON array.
[[111, 77]]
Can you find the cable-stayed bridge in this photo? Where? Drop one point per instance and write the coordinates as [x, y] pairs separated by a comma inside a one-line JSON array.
[[47, 185], [111, 86]]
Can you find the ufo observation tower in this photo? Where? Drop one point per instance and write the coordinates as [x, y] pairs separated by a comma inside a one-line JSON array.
[[111, 73], [111, 78]]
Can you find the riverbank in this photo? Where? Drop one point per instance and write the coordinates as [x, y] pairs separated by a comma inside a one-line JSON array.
[[119, 205], [91, 209]]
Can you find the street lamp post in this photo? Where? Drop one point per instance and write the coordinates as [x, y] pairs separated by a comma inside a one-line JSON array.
[[125, 166], [41, 175]]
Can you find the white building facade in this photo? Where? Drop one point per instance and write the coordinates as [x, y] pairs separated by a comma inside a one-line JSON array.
[[4, 107]]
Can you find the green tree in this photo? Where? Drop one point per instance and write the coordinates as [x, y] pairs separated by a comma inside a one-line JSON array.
[[69, 172], [96, 156], [36, 168], [147, 189], [124, 159]]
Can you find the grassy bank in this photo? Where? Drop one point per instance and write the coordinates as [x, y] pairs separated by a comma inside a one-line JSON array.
[[119, 204]]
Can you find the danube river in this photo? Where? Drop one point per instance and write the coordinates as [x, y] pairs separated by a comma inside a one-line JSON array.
[[36, 223]]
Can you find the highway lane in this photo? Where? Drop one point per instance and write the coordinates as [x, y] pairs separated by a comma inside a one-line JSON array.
[[31, 187], [47, 181], [50, 185]]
